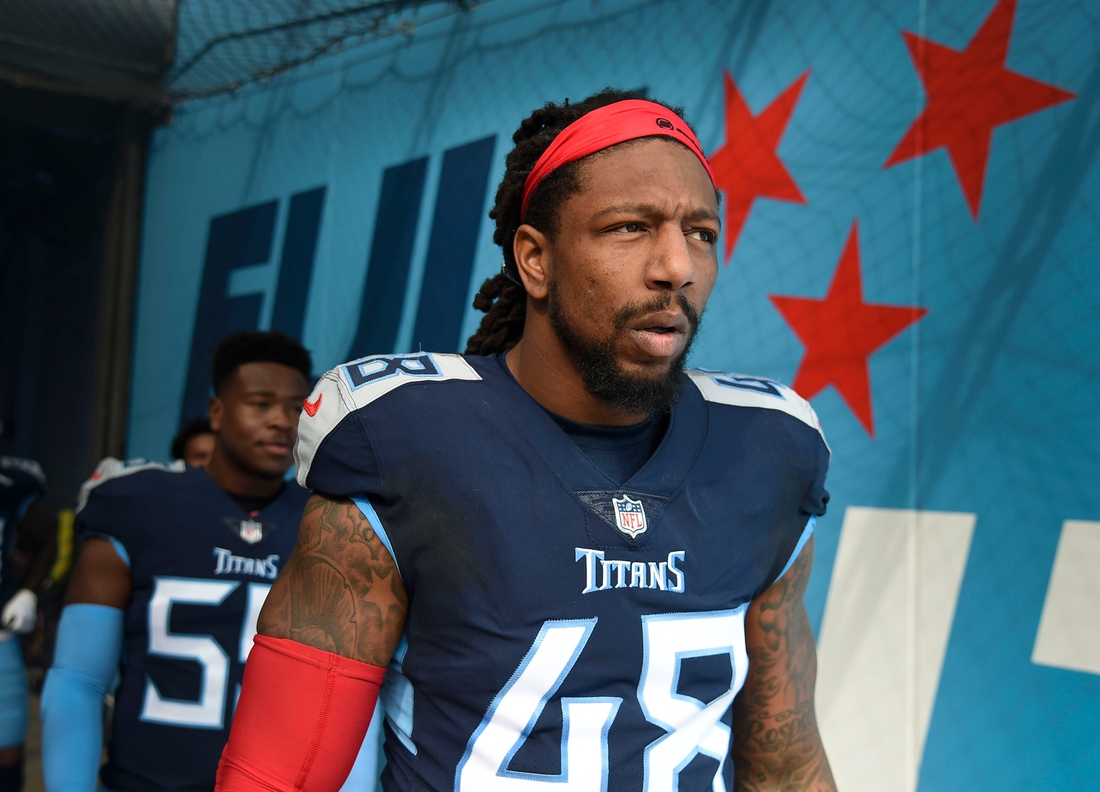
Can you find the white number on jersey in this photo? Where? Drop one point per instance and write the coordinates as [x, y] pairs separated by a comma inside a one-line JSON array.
[[209, 711], [692, 726], [514, 711]]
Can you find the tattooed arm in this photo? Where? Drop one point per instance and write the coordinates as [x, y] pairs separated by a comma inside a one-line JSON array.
[[338, 599], [776, 745], [339, 591]]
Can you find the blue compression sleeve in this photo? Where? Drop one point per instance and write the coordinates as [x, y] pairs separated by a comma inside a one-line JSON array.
[[89, 646], [13, 694]]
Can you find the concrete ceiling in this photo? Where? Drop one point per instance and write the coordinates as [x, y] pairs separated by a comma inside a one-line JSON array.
[[111, 49]]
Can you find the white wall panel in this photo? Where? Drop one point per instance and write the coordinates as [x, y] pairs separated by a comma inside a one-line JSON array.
[[1069, 629], [883, 638]]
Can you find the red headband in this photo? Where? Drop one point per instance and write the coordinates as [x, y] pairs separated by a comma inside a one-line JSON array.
[[605, 127]]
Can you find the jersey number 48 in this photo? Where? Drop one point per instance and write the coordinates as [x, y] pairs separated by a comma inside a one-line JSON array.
[[692, 726]]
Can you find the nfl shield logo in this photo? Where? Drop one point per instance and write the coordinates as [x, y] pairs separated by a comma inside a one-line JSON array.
[[629, 516], [252, 531]]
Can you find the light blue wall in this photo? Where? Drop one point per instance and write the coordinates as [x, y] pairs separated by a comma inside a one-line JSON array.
[[987, 405]]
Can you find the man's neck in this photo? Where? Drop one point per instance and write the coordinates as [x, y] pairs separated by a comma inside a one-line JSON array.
[[547, 372], [233, 478]]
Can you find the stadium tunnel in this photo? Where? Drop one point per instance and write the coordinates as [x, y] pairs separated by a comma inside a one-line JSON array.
[[81, 86], [83, 83]]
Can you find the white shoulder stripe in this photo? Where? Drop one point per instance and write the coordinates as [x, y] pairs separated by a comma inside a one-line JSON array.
[[28, 466], [346, 388], [111, 468], [740, 390]]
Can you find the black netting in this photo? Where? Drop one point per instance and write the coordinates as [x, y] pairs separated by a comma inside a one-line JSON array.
[[224, 46]]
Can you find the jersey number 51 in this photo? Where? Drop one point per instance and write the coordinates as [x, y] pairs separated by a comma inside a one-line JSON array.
[[209, 711]]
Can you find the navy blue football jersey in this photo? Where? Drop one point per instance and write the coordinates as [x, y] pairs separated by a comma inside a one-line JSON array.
[[201, 568], [564, 632], [21, 481]]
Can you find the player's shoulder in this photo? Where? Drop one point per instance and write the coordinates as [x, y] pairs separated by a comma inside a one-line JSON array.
[[20, 470], [359, 383], [754, 393], [375, 391], [371, 382], [127, 477]]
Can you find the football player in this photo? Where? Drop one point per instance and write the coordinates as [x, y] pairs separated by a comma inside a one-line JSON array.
[[21, 482], [576, 565], [195, 443], [175, 564]]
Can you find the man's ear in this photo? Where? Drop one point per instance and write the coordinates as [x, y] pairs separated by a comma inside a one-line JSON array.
[[531, 249], [215, 408]]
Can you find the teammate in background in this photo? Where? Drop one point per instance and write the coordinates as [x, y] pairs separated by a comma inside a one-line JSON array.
[[195, 443], [565, 548], [175, 564], [21, 482]]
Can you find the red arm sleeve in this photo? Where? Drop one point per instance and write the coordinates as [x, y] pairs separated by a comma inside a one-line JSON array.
[[301, 719]]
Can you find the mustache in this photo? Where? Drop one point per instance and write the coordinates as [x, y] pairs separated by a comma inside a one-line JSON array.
[[661, 302]]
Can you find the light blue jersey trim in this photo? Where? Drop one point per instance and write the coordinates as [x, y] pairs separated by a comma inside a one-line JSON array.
[[117, 545], [376, 523], [397, 696], [807, 532], [26, 504]]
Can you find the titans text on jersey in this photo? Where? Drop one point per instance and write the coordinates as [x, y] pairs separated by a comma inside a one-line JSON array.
[[563, 628], [628, 573], [200, 568]]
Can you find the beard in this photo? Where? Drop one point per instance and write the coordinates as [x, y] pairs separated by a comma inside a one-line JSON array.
[[604, 378]]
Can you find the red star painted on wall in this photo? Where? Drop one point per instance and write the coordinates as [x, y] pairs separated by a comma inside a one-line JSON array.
[[840, 332], [970, 93], [747, 167]]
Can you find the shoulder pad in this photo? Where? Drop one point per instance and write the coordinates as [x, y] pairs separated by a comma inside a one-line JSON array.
[[366, 379], [740, 390], [28, 466], [354, 385], [111, 468]]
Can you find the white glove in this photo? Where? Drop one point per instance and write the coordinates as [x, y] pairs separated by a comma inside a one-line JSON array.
[[21, 611]]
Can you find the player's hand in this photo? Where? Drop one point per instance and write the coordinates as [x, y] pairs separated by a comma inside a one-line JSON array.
[[20, 612]]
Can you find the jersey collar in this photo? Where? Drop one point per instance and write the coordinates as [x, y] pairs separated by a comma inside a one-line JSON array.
[[663, 474]]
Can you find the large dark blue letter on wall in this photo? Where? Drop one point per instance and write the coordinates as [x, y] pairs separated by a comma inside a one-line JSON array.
[[239, 239], [452, 246], [303, 225], [390, 254], [243, 239]]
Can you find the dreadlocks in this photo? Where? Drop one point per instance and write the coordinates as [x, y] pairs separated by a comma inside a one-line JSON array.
[[504, 301]]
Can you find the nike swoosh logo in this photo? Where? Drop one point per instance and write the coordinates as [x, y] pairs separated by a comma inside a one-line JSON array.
[[311, 408]]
